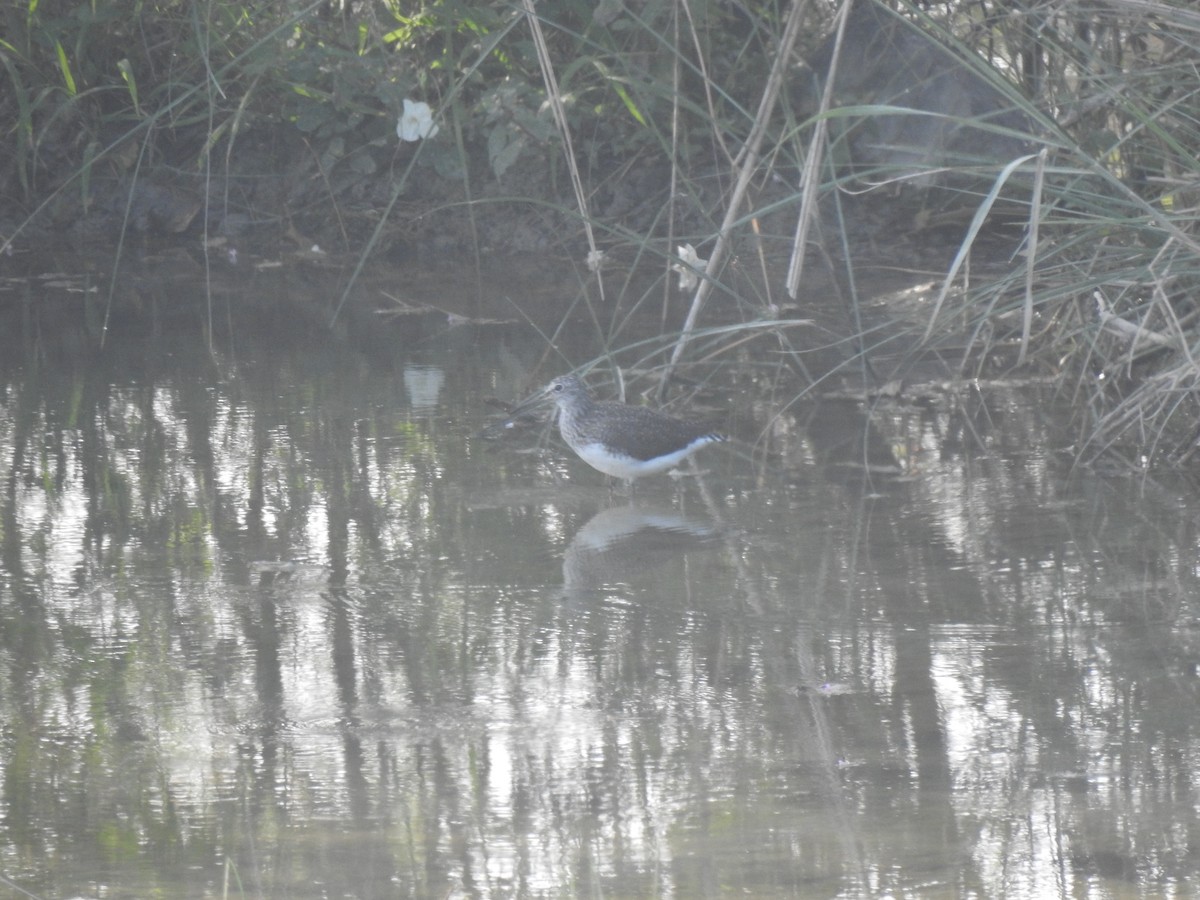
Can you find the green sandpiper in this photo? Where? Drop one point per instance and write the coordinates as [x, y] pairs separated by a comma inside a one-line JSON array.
[[620, 440]]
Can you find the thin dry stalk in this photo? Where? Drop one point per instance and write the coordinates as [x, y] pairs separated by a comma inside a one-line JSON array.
[[674, 187], [749, 162], [1031, 248], [704, 79], [560, 120], [810, 179]]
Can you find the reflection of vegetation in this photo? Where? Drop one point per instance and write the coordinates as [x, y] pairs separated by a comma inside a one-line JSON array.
[[402, 698]]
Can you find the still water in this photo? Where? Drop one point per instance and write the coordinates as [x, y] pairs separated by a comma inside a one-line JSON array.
[[276, 621]]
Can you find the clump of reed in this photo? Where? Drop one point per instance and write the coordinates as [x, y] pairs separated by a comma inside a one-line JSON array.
[[1097, 179]]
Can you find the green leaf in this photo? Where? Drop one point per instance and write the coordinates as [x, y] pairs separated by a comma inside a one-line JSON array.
[[628, 101], [126, 70], [65, 66]]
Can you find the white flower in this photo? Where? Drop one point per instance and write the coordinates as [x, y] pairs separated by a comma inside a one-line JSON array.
[[595, 259], [416, 121], [691, 269]]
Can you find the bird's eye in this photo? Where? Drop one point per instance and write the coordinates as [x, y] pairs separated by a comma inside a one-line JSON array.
[[558, 388]]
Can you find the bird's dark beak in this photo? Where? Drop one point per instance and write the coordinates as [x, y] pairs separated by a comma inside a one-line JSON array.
[[516, 416], [530, 402]]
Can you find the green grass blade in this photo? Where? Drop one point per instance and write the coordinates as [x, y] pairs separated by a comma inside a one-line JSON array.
[[65, 66]]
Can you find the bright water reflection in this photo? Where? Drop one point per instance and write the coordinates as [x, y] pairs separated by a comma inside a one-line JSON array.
[[285, 627]]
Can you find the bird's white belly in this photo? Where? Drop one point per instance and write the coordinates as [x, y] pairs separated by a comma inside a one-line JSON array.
[[621, 466]]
